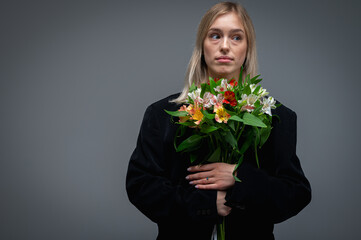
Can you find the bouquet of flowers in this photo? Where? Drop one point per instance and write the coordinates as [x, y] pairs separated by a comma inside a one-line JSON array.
[[225, 118]]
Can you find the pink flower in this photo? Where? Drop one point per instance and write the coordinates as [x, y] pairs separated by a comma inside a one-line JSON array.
[[209, 100]]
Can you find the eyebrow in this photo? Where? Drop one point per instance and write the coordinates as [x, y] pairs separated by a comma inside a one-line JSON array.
[[219, 30]]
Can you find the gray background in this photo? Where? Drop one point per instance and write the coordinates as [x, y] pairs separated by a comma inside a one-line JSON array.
[[76, 77]]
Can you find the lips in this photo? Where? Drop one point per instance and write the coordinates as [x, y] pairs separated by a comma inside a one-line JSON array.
[[224, 59]]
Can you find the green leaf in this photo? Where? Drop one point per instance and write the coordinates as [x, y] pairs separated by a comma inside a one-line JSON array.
[[192, 88], [257, 110], [229, 137], [265, 133], [240, 160], [188, 124], [236, 118], [177, 113], [190, 144], [212, 85], [216, 155], [257, 81], [246, 144], [257, 89], [208, 115], [193, 157], [208, 129], [276, 116], [254, 80], [204, 89], [231, 125], [247, 90], [252, 120], [247, 79]]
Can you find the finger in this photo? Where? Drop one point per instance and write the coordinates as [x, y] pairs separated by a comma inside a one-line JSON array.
[[201, 168], [202, 181], [207, 186], [198, 176]]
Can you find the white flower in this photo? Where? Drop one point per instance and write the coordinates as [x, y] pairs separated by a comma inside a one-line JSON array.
[[250, 100], [223, 87], [253, 87], [195, 95], [209, 100], [268, 104], [220, 98], [261, 92]]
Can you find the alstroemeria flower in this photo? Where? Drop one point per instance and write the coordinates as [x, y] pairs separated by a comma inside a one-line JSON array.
[[196, 95], [247, 108], [221, 114], [220, 98], [249, 101], [253, 87], [223, 87], [268, 104], [209, 100], [233, 83], [261, 92], [229, 97], [195, 113], [185, 118]]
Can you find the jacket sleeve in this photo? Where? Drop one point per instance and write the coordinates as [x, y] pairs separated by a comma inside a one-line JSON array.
[[280, 190], [149, 185]]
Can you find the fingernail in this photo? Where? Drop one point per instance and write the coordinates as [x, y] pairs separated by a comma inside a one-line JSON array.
[[196, 186], [191, 182], [187, 177], [188, 169]]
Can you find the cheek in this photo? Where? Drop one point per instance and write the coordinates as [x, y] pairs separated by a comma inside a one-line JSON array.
[[207, 51], [242, 53]]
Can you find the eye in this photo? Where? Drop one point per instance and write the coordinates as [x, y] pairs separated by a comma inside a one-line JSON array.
[[215, 36], [236, 38]]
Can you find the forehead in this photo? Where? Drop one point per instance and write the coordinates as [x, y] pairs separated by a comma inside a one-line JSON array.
[[227, 21]]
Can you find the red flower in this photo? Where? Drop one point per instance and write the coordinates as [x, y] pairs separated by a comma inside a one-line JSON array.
[[229, 98], [233, 82]]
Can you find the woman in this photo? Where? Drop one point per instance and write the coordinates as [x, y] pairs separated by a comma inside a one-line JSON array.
[[187, 201]]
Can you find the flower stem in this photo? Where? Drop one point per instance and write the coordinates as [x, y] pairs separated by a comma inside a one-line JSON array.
[[255, 152], [221, 233], [240, 133]]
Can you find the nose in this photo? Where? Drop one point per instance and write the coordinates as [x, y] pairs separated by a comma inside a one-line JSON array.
[[224, 47]]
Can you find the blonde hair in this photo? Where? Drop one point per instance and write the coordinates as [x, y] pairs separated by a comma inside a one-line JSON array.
[[197, 67]]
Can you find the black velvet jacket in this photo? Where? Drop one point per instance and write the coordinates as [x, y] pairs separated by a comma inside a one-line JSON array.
[[156, 182]]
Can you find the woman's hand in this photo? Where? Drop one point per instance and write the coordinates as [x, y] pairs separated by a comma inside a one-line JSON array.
[[222, 209], [216, 176]]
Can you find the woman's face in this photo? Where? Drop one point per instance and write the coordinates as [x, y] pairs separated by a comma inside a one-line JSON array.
[[225, 47]]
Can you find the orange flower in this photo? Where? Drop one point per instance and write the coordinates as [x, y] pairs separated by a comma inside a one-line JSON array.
[[195, 113], [185, 118], [198, 116], [221, 114]]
